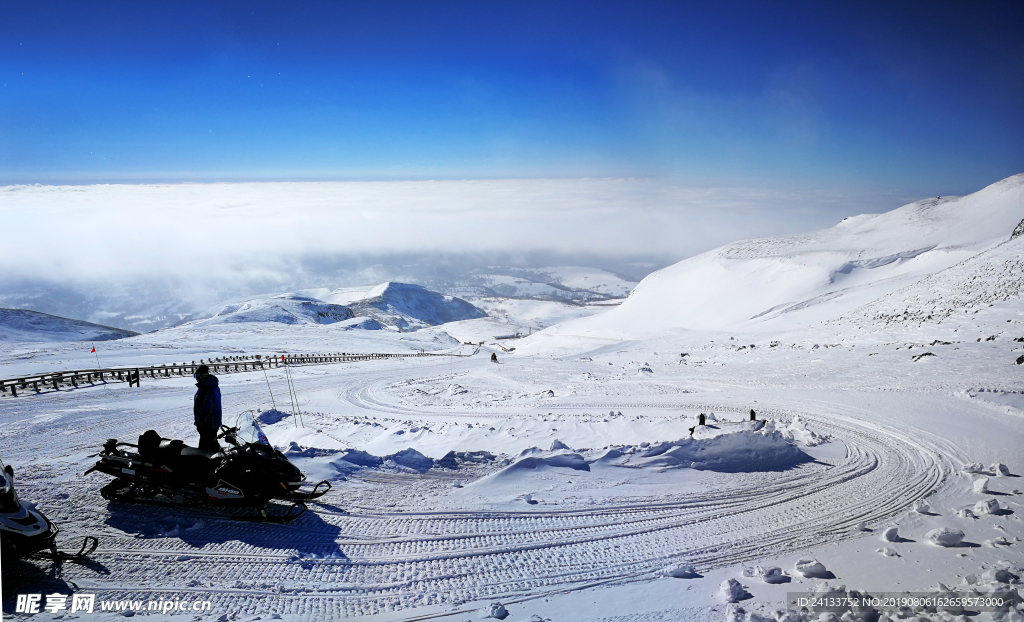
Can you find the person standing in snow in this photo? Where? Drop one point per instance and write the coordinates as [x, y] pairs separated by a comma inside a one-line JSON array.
[[206, 408]]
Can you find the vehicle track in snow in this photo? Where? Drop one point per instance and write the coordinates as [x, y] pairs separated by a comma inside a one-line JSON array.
[[370, 561]]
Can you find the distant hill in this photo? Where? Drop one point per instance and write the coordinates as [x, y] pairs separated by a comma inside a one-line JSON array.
[[22, 325], [398, 306], [921, 262], [561, 283]]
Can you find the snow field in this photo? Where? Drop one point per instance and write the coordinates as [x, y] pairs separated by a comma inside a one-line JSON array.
[[391, 539]]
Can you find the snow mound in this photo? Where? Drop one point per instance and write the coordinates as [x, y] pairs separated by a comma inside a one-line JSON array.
[[361, 458], [679, 571], [568, 461], [891, 534], [22, 325], [412, 459], [349, 460], [921, 507], [999, 575], [944, 536], [496, 611], [730, 591], [796, 432], [768, 574], [742, 451], [988, 506], [980, 485], [812, 569]]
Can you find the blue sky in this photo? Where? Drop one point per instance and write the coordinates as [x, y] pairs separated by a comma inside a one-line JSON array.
[[920, 98]]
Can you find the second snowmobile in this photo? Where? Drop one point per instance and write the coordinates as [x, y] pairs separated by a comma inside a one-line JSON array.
[[248, 473], [25, 531]]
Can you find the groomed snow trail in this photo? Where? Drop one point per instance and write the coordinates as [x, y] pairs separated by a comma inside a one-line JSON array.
[[346, 559]]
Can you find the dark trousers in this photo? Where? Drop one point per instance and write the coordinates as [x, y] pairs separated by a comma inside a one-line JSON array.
[[208, 439]]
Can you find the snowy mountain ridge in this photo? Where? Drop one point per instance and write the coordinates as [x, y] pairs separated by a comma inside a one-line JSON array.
[[399, 306], [801, 280]]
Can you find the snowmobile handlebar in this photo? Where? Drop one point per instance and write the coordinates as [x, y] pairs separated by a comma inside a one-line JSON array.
[[228, 434]]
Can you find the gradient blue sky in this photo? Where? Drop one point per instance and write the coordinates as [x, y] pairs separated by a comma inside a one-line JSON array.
[[924, 97]]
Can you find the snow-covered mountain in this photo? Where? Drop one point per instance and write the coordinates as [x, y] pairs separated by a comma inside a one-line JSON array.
[[22, 325], [915, 252], [144, 305], [399, 306], [284, 309], [562, 283]]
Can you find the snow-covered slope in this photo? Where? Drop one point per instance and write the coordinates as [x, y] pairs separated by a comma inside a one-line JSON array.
[[25, 326], [411, 306], [801, 280], [398, 305], [571, 283], [993, 276], [284, 309]]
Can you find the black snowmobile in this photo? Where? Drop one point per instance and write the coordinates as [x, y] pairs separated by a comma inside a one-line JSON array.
[[25, 532], [248, 473]]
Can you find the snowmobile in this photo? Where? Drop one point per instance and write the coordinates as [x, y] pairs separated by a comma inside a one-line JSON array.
[[25, 532], [248, 473]]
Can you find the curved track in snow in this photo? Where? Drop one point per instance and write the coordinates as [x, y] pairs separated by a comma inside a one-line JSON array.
[[339, 564]]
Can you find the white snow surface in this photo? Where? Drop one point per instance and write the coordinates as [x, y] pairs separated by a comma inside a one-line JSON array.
[[451, 493]]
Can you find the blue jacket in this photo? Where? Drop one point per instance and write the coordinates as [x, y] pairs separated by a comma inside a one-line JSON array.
[[206, 404]]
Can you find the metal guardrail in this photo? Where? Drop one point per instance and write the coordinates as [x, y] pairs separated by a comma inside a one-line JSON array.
[[224, 365]]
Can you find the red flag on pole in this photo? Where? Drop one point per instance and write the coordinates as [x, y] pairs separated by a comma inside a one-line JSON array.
[[93, 350]]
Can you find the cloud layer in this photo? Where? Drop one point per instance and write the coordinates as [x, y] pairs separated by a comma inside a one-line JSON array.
[[254, 231]]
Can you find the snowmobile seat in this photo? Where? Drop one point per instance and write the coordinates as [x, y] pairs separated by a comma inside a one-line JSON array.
[[177, 455], [193, 461]]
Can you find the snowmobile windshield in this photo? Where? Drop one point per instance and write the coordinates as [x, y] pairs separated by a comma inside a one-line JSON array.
[[249, 431], [8, 498]]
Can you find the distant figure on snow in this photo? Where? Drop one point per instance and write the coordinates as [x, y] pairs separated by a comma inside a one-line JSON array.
[[700, 419], [753, 415], [494, 357], [206, 408]]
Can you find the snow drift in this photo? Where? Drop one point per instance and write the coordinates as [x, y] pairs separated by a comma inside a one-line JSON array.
[[741, 451]]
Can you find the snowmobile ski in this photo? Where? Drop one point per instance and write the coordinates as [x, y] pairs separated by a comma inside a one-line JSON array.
[[25, 532], [316, 493]]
